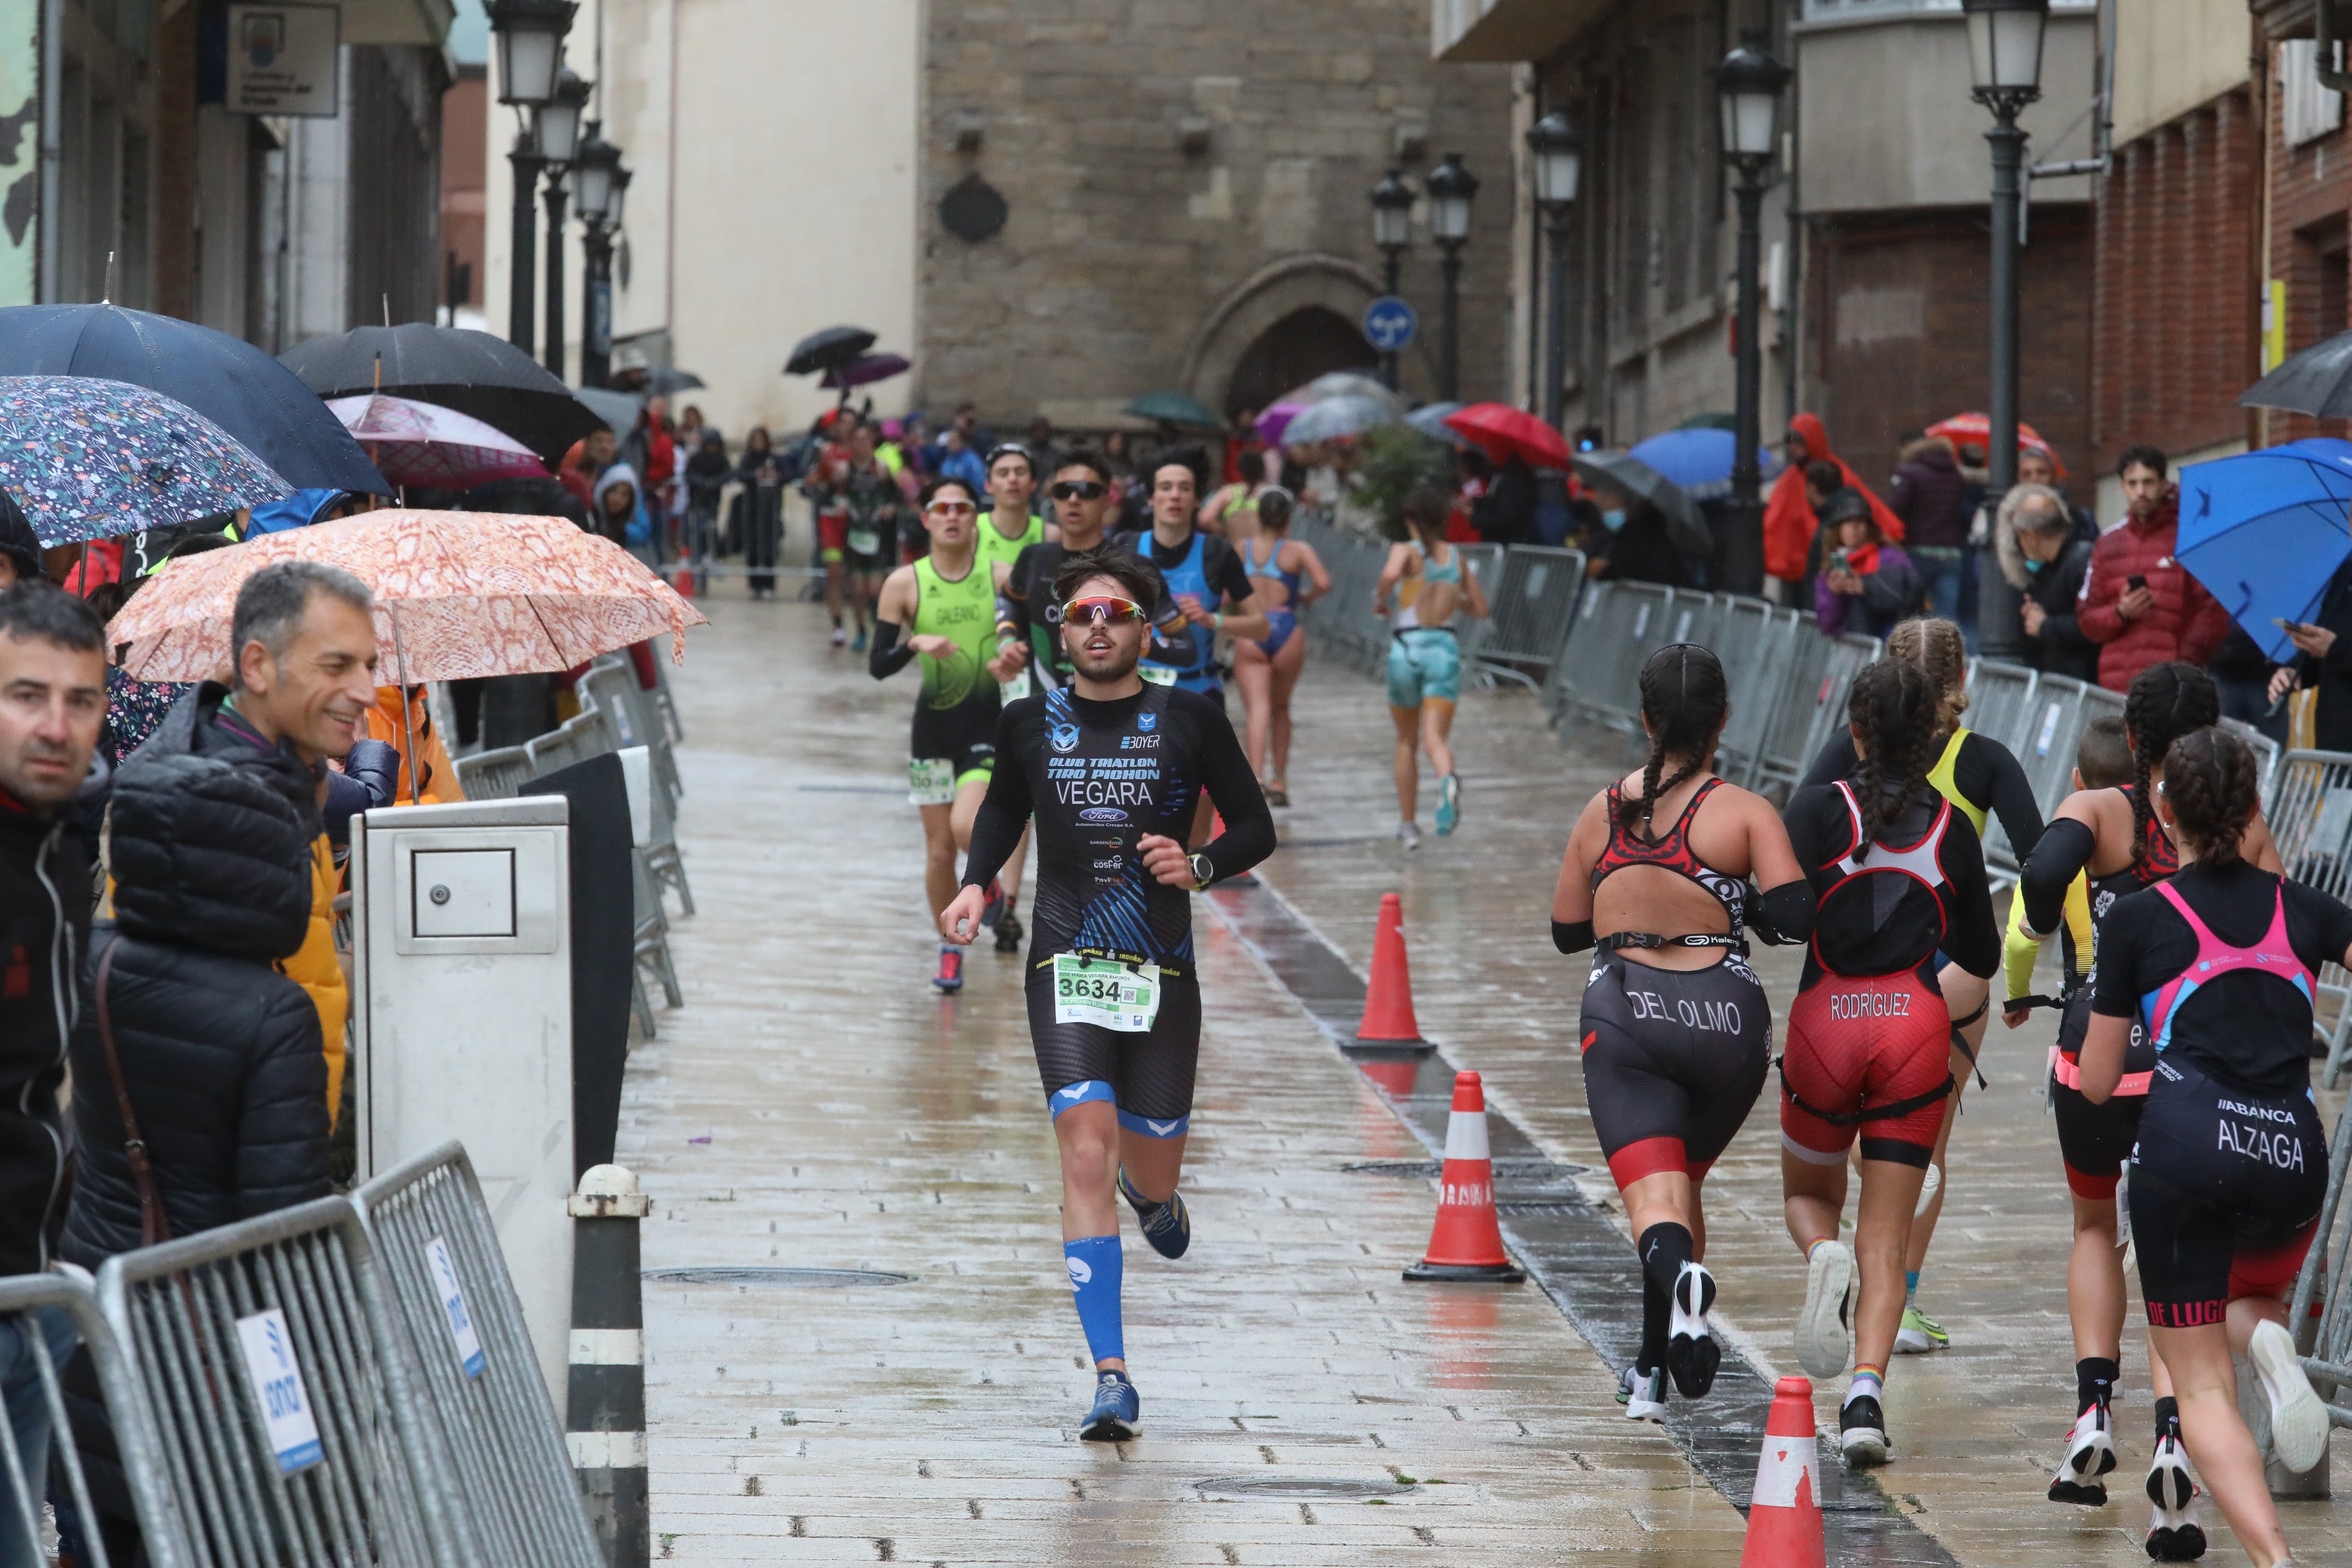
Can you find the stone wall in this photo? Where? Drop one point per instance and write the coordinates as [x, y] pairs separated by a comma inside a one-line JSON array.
[[1180, 176]]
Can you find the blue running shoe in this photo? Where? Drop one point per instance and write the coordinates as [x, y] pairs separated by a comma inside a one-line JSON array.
[[1449, 804], [951, 975], [1118, 1412], [858, 644], [1166, 1225]]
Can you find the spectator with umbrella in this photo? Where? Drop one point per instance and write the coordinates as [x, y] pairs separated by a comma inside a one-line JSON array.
[[1651, 529], [1788, 519]]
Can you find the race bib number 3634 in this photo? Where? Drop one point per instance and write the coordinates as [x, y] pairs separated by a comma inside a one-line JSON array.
[[1099, 991]]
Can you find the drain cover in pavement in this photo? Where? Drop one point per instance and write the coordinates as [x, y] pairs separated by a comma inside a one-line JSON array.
[[1505, 1170], [1299, 1488], [779, 1279]]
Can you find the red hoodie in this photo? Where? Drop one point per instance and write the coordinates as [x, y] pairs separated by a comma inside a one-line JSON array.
[[1789, 520]]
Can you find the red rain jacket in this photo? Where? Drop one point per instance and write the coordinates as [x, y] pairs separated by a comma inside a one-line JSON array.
[[1789, 520]]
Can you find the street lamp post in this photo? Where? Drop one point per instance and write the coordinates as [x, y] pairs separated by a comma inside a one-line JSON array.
[[1391, 232], [556, 128], [1749, 83], [595, 172], [1557, 147], [2005, 62], [1451, 188], [530, 36]]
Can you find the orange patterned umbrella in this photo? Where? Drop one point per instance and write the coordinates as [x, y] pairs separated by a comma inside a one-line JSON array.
[[460, 594]]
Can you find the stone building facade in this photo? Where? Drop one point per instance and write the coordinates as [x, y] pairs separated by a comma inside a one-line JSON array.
[[1183, 187]]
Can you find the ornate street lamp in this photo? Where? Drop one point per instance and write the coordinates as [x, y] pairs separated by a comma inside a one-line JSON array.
[[530, 38], [1392, 201], [2005, 62], [1749, 84], [595, 168], [1556, 147], [555, 125], [1451, 188]]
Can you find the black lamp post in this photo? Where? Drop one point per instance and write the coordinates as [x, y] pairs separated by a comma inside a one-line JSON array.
[[1749, 84], [1391, 232], [2005, 60], [530, 36], [556, 128], [1558, 148], [595, 170], [1450, 187]]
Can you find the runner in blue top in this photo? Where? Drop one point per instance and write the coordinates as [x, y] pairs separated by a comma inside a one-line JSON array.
[[1267, 670]]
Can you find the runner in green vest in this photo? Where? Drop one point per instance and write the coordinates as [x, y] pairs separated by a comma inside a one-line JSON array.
[[946, 602], [1011, 485]]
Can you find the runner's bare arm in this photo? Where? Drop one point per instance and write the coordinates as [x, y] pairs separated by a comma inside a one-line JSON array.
[[1572, 896], [1392, 573], [1312, 564]]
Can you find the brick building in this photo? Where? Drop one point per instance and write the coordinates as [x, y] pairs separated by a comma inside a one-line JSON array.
[[2302, 274], [1183, 189]]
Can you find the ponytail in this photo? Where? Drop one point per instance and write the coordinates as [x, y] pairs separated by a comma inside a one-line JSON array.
[[1685, 700], [2211, 785], [2165, 702], [1892, 707]]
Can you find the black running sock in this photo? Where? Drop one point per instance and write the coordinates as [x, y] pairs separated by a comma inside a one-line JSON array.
[[1664, 1250], [1656, 1306], [2167, 1418], [2094, 1380]]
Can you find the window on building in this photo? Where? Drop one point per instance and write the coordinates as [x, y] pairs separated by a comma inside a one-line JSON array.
[[2307, 110]]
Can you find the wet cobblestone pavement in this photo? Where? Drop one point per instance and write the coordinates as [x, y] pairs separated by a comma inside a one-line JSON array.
[[816, 1106]]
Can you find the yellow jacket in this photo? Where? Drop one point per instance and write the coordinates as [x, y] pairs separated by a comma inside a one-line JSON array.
[[315, 968]]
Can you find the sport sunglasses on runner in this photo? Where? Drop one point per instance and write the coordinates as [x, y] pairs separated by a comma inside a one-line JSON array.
[[951, 508], [1097, 608], [1079, 490]]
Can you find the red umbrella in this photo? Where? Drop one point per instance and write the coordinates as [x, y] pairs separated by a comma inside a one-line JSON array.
[[1507, 433], [1976, 430]]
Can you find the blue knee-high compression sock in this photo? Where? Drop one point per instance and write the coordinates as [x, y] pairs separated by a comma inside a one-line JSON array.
[[1093, 1264]]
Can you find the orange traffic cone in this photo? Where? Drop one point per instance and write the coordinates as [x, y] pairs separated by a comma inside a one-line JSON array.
[[684, 580], [1388, 999], [1466, 1243], [1784, 1519]]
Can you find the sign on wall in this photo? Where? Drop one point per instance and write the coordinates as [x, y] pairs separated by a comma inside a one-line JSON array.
[[282, 59], [20, 151]]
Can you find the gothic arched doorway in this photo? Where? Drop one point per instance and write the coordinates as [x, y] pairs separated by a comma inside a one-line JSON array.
[[1308, 342]]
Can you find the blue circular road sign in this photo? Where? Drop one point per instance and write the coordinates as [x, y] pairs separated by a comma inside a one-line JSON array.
[[1389, 324]]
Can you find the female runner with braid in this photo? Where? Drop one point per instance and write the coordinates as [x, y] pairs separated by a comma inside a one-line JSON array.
[[1982, 779], [1676, 1031], [2112, 837], [1900, 879]]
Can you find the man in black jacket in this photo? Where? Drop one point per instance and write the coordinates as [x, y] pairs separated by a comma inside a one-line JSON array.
[[52, 704], [2324, 662]]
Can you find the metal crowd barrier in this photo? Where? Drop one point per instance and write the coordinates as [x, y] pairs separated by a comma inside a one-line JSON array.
[[2309, 810], [476, 1372], [2321, 1318], [1532, 606], [282, 1404]]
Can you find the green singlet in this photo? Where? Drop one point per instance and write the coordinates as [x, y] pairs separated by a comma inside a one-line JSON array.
[[994, 547], [964, 611]]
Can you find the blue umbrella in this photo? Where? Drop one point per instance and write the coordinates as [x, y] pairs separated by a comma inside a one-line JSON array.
[[1699, 459], [87, 458], [2265, 530], [258, 402]]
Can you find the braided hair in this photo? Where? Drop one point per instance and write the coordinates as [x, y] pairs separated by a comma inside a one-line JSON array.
[[1685, 701], [1939, 650], [2211, 782], [1894, 707], [2165, 702]]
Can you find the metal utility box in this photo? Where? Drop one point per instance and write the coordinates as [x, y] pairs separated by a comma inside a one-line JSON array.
[[461, 1012]]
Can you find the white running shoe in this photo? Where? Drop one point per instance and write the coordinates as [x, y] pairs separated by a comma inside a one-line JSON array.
[[840, 638], [1825, 1339], [2298, 1419], [1408, 835], [1692, 1355], [2173, 1532], [2090, 1455], [1643, 1393], [1930, 1185]]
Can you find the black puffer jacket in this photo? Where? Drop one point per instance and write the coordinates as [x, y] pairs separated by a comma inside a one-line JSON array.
[[211, 855], [43, 930]]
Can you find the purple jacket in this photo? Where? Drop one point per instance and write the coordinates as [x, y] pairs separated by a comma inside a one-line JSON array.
[[1889, 594]]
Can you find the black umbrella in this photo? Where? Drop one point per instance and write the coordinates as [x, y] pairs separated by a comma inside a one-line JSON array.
[[455, 367], [664, 381], [228, 381], [824, 351], [2317, 382], [1628, 475]]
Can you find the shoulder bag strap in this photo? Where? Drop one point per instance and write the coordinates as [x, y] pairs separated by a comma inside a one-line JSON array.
[[154, 1226]]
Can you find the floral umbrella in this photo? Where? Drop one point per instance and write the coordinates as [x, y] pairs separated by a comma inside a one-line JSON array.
[[87, 457], [424, 443], [458, 594]]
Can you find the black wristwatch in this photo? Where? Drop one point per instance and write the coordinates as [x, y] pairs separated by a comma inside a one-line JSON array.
[[1203, 873]]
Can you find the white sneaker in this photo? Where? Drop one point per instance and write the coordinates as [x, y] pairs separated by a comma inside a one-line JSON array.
[[1692, 1355], [2173, 1532], [2298, 1419], [1643, 1395], [2090, 1455], [1408, 835], [1825, 1340], [840, 638]]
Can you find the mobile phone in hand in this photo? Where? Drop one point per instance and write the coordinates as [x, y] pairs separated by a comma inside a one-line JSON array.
[[2135, 581]]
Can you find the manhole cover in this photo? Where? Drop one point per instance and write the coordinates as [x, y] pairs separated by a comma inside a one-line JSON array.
[[1300, 1488], [779, 1279], [1505, 1170]]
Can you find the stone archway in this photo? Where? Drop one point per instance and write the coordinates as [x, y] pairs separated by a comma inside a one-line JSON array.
[[1303, 345], [1257, 314]]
